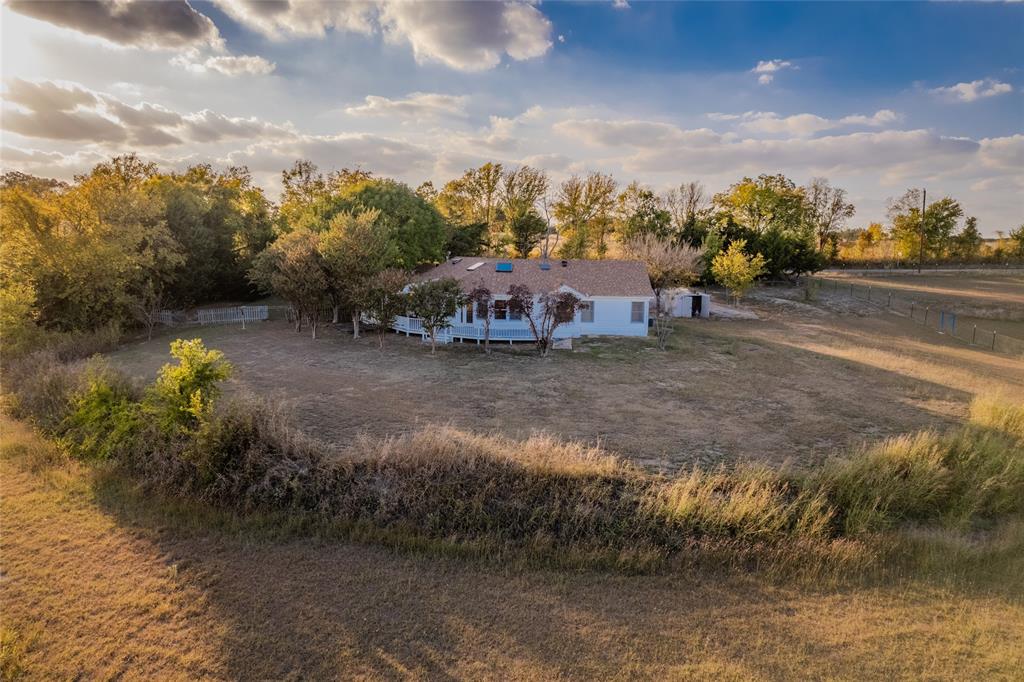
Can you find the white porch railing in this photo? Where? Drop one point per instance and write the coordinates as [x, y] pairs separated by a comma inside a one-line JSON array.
[[471, 332]]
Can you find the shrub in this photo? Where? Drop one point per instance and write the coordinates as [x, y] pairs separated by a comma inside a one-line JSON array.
[[39, 388], [105, 419], [182, 396]]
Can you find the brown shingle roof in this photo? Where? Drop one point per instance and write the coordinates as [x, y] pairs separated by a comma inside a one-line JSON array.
[[589, 277]]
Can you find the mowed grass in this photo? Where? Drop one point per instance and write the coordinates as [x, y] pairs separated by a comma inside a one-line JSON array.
[[102, 582]]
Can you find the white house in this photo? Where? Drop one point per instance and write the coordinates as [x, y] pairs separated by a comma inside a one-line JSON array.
[[616, 296]]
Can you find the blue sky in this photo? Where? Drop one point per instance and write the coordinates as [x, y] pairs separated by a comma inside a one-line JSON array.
[[878, 97]]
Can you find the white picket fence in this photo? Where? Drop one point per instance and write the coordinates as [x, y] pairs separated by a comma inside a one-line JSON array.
[[234, 315]]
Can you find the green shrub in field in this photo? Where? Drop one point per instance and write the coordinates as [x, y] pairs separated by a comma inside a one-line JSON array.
[[38, 388], [105, 420], [183, 395]]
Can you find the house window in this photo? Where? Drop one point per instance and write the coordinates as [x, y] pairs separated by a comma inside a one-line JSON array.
[[469, 314], [515, 315], [637, 313], [587, 311], [500, 310]]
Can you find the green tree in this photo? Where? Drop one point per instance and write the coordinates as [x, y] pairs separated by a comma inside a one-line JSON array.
[[474, 198], [769, 201], [526, 231], [414, 227], [735, 270], [640, 212], [435, 302], [294, 269], [1017, 240], [966, 246], [184, 394], [827, 211], [385, 299], [584, 211], [354, 248], [940, 221]]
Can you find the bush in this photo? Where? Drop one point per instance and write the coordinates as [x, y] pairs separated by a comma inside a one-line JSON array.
[[38, 389], [105, 419], [183, 395]]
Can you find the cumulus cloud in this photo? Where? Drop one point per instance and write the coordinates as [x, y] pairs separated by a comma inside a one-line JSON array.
[[975, 90], [209, 126], [283, 18], [415, 105], [802, 125], [631, 132], [58, 111], [766, 70], [228, 65], [165, 24], [467, 36]]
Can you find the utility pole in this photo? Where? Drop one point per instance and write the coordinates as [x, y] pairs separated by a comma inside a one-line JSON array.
[[924, 203]]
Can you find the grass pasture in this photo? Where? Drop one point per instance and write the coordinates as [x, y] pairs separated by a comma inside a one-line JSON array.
[[804, 381], [104, 579]]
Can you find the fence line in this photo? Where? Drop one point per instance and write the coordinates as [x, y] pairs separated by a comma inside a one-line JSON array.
[[931, 315], [234, 315]]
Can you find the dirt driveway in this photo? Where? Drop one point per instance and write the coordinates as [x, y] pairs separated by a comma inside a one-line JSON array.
[[799, 384]]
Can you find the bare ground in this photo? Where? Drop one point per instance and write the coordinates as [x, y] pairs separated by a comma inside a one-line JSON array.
[[806, 380]]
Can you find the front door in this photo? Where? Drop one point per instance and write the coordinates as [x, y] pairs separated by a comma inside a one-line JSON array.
[[469, 314]]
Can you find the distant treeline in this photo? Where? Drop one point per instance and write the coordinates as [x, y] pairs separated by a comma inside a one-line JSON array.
[[127, 239]]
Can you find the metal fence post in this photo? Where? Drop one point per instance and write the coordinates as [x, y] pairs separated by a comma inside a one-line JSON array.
[[926, 309], [889, 304], [974, 336], [911, 310], [993, 340]]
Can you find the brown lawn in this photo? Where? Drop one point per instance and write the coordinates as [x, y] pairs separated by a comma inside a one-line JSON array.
[[96, 589], [801, 383]]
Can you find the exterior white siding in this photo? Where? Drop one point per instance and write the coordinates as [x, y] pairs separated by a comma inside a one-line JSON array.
[[612, 317]]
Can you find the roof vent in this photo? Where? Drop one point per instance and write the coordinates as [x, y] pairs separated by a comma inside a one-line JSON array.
[[456, 260], [503, 267], [544, 265], [565, 263], [474, 266]]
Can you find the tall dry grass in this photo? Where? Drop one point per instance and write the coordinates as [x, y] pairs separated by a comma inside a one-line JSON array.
[[542, 498]]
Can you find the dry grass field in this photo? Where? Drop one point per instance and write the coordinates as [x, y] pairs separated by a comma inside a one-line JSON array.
[[99, 584], [100, 581], [797, 385]]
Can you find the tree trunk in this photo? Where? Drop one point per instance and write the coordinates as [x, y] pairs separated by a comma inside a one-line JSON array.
[[335, 310], [487, 335], [433, 342], [312, 325], [298, 321], [355, 324]]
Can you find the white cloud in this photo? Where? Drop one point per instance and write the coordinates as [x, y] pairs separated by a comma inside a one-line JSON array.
[[467, 36], [228, 65], [879, 118], [620, 4], [416, 104], [137, 23], [278, 20], [377, 153], [975, 90], [57, 111], [634, 133], [768, 69], [802, 125]]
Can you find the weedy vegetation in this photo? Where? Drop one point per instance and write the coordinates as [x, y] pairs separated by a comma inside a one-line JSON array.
[[537, 501]]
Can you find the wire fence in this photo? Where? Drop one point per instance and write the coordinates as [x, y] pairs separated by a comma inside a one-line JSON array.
[[937, 316]]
